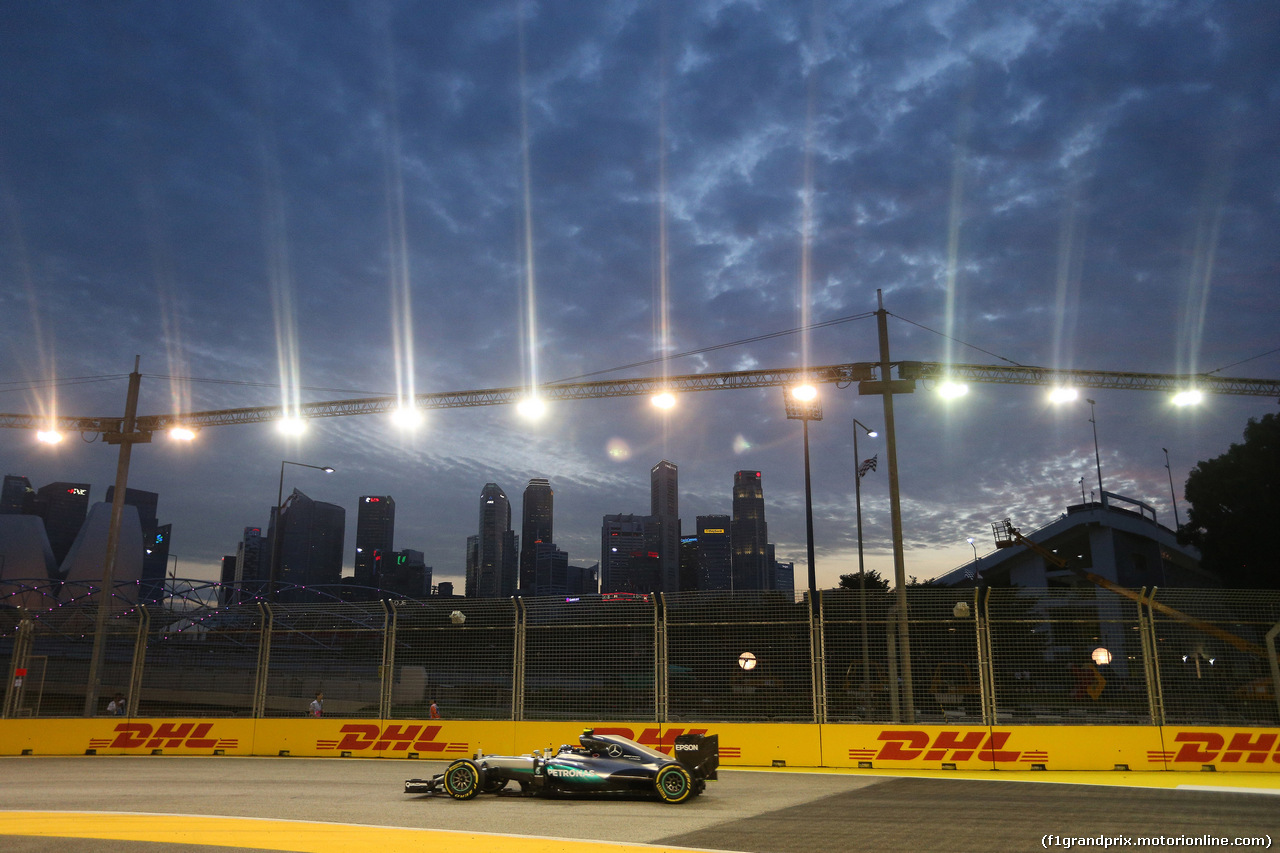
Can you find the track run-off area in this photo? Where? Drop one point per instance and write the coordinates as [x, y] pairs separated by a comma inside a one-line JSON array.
[[193, 804]]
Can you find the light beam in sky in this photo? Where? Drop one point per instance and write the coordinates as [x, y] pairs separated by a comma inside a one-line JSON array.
[[530, 283], [280, 281], [1208, 229], [664, 401], [955, 219], [398, 278]]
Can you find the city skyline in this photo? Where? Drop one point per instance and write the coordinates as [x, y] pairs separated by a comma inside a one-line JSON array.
[[273, 204]]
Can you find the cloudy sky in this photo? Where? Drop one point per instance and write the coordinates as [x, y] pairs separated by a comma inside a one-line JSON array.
[[301, 201]]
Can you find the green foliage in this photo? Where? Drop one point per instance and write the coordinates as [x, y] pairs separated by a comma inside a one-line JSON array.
[[873, 581], [1235, 504]]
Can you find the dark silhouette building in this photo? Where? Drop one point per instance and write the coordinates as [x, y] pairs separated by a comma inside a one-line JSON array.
[[311, 545], [375, 531], [715, 552], [402, 573], [749, 534], [535, 529], [629, 560], [63, 507], [664, 505], [253, 565], [17, 496], [155, 540]]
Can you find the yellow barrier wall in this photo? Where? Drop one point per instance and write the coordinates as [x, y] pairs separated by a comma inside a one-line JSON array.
[[1200, 747], [116, 736], [894, 747]]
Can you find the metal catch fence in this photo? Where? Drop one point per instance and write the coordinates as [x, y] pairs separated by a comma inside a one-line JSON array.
[[1007, 656]]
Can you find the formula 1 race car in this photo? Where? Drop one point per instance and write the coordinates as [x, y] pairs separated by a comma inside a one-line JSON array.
[[603, 765]]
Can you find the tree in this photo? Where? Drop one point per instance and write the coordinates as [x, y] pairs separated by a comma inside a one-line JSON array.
[[873, 580], [1235, 503]]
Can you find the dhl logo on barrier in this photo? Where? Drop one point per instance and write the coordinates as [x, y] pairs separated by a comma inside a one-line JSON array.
[[663, 741], [164, 735], [912, 745], [358, 736], [1212, 748]]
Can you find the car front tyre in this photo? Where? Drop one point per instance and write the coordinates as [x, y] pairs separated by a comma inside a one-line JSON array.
[[674, 784], [463, 779]]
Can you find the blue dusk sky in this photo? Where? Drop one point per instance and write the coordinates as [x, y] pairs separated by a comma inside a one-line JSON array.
[[302, 201]]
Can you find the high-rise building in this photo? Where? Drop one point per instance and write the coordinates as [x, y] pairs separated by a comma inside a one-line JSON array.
[[64, 507], [781, 575], [664, 505], [375, 531], [253, 565], [689, 563], [715, 552], [629, 559], [155, 540], [493, 568], [749, 533], [17, 495], [473, 566], [403, 573], [311, 545], [551, 571], [227, 580], [535, 529]]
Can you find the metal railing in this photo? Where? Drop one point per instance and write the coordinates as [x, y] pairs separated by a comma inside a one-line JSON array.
[[1053, 656]]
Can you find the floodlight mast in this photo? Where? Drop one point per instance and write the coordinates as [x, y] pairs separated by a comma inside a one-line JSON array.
[[126, 436]]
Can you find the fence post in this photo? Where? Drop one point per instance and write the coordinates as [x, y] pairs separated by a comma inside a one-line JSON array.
[[1151, 656], [1275, 664], [661, 669], [139, 660], [817, 657], [21, 652], [517, 665], [264, 661], [387, 669], [986, 658]]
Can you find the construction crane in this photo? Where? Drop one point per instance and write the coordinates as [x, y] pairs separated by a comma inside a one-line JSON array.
[[870, 376]]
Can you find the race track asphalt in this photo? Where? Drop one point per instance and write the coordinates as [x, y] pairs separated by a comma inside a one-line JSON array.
[[202, 805]]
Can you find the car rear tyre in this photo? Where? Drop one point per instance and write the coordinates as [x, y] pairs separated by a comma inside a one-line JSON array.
[[463, 779], [674, 784]]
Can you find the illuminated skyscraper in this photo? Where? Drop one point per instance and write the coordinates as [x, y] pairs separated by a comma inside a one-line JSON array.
[[493, 567], [750, 536]]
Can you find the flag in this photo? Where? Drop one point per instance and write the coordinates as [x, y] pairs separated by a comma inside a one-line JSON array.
[[869, 465]]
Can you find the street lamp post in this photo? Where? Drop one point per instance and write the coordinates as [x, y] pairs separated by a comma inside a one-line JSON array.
[[862, 574], [1172, 493], [275, 530], [975, 549], [803, 405]]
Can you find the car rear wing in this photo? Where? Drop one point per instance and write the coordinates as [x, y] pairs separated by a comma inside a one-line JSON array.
[[700, 754]]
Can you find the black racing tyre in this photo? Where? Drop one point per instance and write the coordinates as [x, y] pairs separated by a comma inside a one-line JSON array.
[[463, 779], [674, 784]]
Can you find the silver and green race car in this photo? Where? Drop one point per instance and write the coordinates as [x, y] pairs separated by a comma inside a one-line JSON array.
[[600, 765]]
